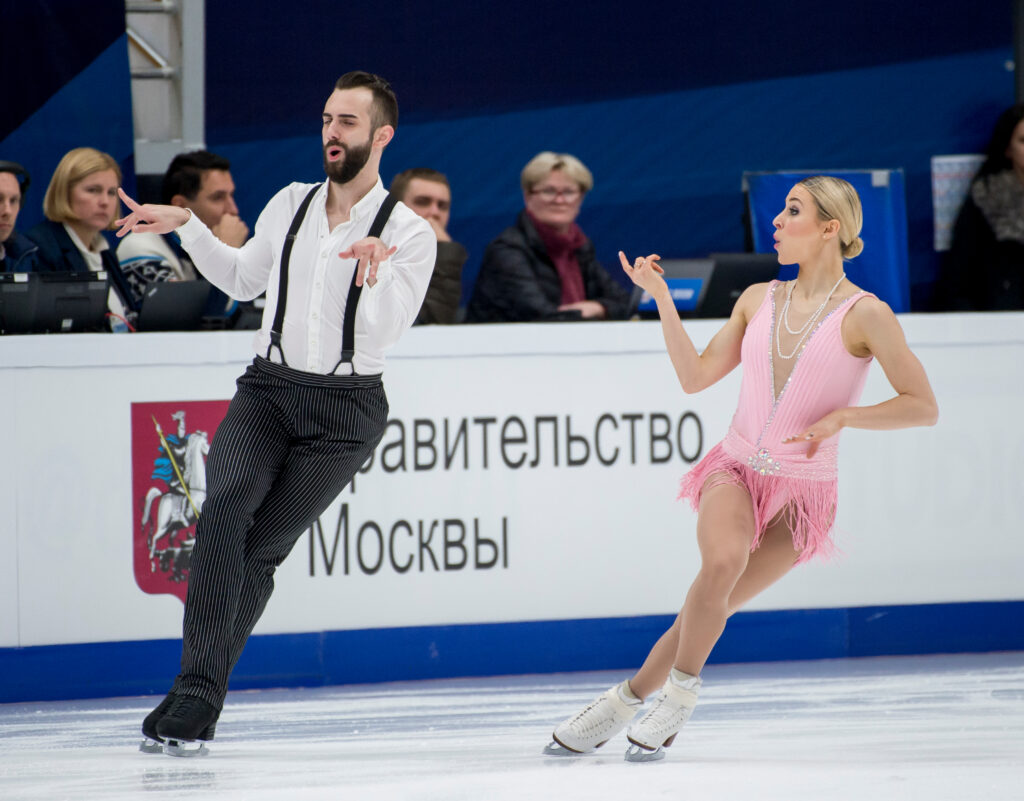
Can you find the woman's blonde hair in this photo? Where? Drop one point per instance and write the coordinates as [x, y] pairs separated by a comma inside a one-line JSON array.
[[836, 199], [76, 165], [543, 164]]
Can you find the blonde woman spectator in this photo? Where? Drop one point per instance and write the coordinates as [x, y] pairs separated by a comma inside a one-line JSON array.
[[543, 267], [80, 203]]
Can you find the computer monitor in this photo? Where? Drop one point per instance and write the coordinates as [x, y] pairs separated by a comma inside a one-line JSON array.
[[709, 287], [173, 306], [41, 303], [732, 274], [687, 280]]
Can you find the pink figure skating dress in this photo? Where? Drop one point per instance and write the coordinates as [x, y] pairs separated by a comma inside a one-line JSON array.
[[779, 477]]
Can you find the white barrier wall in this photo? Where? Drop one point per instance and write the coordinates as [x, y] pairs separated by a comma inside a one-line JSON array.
[[926, 515]]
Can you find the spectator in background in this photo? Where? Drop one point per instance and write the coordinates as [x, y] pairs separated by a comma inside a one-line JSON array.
[[984, 268], [201, 182], [543, 267], [428, 193], [18, 253], [80, 203]]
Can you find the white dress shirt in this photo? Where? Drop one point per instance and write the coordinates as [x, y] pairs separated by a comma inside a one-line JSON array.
[[318, 280]]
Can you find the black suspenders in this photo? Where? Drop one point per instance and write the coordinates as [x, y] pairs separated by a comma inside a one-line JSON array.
[[349, 323]]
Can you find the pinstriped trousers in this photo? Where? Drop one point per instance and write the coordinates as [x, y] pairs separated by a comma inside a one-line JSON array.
[[290, 443]]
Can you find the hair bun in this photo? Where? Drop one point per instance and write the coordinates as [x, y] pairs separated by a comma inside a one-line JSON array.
[[854, 248]]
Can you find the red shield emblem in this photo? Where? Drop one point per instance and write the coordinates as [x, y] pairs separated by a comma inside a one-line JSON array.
[[170, 442]]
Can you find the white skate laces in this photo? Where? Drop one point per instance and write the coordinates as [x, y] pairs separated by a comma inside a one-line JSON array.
[[597, 723], [658, 727]]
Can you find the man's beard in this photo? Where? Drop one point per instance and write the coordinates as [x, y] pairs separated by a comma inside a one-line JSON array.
[[348, 167]]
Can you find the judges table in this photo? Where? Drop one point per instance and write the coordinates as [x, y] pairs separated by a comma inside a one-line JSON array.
[[519, 514]]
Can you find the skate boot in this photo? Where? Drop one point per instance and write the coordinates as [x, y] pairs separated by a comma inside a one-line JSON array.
[[656, 730], [153, 744], [597, 723], [189, 719]]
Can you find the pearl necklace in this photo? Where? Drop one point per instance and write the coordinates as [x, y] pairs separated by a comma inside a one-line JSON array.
[[806, 328]]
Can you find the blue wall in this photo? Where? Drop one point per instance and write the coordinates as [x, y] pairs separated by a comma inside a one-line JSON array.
[[66, 85], [668, 103]]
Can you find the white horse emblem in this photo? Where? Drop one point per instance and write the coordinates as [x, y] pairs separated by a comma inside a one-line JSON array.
[[177, 510]]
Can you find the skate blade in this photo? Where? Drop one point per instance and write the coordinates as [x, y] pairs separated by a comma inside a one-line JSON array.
[[636, 753], [556, 749], [180, 748], [148, 746]]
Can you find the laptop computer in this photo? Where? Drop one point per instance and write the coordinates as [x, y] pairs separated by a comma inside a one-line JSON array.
[[60, 302], [687, 280], [732, 274], [708, 287], [173, 306]]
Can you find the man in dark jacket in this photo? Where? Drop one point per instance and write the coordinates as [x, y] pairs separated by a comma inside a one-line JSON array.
[[543, 268], [18, 254], [428, 193]]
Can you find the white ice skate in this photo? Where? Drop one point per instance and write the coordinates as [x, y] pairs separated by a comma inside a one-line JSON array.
[[656, 730], [597, 723]]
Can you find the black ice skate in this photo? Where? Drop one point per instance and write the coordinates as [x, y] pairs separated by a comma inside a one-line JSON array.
[[188, 720], [153, 744]]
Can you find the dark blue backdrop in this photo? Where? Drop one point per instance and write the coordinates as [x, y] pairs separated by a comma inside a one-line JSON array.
[[667, 103]]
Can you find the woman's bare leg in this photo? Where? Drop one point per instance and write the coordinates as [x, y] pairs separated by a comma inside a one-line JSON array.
[[656, 666], [774, 558], [725, 530]]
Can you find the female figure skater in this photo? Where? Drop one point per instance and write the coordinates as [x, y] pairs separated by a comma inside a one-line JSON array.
[[766, 495]]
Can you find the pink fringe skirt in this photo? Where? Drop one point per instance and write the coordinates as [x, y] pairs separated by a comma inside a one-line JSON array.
[[808, 505]]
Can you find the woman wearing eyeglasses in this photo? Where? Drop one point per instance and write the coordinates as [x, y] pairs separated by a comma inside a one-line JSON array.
[[543, 268]]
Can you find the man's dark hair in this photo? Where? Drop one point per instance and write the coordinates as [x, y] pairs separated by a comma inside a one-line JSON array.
[[20, 175], [384, 110], [400, 183], [185, 175]]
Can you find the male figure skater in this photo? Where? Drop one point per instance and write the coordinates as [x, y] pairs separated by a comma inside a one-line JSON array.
[[342, 263]]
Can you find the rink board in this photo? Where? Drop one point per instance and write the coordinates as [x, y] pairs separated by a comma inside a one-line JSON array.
[[498, 649], [524, 493]]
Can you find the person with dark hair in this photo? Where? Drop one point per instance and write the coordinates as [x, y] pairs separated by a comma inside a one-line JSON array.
[[428, 193], [345, 267], [18, 253], [201, 182], [984, 267], [544, 267]]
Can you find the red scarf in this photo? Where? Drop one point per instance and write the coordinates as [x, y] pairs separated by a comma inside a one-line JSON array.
[[562, 250]]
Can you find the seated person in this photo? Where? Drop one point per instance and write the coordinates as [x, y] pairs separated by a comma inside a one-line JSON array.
[[428, 193], [80, 203], [984, 268], [543, 267], [18, 253], [201, 182]]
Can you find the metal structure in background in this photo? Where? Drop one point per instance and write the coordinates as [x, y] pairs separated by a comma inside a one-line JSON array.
[[166, 55]]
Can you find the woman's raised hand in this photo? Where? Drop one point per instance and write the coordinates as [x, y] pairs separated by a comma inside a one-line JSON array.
[[149, 217], [645, 272]]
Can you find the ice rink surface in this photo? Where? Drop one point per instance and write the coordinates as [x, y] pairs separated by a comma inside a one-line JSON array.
[[931, 728]]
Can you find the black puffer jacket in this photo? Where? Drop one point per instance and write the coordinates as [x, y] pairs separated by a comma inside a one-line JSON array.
[[518, 281], [441, 304]]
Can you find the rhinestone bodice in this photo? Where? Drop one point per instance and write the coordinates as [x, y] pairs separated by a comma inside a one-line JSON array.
[[824, 376]]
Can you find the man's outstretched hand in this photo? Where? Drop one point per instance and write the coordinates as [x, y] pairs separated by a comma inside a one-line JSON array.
[[149, 217]]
